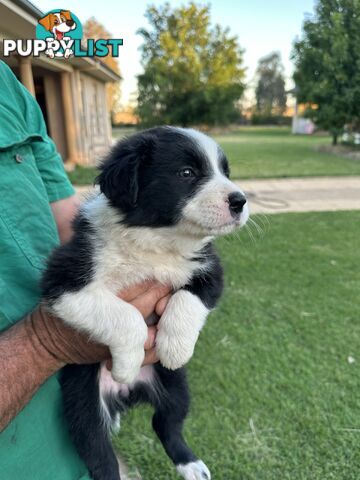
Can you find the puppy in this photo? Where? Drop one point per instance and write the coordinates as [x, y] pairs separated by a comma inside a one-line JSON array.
[[164, 195], [58, 24]]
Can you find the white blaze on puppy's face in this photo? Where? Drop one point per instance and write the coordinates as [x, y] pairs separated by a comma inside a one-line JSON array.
[[209, 209], [60, 24]]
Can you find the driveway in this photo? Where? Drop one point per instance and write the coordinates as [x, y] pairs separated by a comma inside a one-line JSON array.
[[315, 194]]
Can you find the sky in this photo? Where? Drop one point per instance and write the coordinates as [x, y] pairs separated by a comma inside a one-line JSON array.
[[262, 26]]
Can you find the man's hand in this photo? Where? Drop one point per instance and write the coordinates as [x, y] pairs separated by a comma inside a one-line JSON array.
[[39, 345], [64, 345]]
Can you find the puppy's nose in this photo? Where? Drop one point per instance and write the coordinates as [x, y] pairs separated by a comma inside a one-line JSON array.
[[236, 202], [69, 23]]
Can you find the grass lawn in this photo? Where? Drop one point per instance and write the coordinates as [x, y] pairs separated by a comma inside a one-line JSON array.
[[260, 152], [274, 395]]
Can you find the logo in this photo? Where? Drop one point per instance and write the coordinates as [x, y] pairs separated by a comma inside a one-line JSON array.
[[59, 35]]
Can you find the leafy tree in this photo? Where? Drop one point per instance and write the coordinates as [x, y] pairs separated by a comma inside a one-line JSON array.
[[94, 29], [327, 64], [270, 88], [193, 73]]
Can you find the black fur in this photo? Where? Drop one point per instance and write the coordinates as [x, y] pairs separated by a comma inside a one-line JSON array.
[[86, 427], [92, 439], [70, 267], [208, 284], [143, 171]]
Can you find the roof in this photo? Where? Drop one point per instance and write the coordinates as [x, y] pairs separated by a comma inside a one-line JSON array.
[[29, 7], [10, 13]]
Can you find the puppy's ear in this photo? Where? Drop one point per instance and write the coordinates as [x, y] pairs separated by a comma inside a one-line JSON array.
[[66, 14], [46, 21], [119, 177]]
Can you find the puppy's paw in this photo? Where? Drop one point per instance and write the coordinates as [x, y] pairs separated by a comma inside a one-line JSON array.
[[173, 350], [194, 471], [179, 328], [126, 365]]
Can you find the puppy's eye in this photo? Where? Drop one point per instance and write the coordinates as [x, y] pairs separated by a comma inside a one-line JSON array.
[[56, 22], [186, 173]]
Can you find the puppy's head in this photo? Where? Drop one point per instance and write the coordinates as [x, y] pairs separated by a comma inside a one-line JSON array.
[[169, 176], [58, 23]]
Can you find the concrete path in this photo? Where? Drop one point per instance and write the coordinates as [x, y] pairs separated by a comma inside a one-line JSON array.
[[312, 194], [315, 194]]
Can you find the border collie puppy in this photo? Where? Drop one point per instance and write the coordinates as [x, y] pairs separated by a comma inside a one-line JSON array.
[[164, 195]]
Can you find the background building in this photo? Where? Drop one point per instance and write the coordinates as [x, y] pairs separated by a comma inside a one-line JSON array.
[[71, 93]]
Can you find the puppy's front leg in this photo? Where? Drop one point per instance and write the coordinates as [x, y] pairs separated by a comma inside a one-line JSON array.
[[186, 312], [179, 328], [108, 320]]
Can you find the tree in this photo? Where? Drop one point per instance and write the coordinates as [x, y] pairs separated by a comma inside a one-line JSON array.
[[94, 29], [327, 64], [270, 89], [193, 73]]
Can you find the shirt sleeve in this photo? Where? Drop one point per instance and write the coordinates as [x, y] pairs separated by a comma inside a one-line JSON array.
[[51, 168], [48, 159]]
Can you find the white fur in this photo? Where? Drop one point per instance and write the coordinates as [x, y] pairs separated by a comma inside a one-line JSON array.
[[108, 320], [179, 328], [194, 471], [209, 208], [206, 144], [125, 257], [62, 26]]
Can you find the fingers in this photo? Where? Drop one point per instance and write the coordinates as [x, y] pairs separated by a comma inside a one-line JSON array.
[[161, 305], [147, 301], [150, 357], [150, 341], [150, 353], [131, 293], [149, 347]]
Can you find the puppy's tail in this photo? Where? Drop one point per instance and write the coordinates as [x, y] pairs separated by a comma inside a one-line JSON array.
[[88, 420]]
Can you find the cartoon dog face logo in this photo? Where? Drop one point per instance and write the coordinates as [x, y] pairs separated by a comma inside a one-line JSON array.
[[58, 23]]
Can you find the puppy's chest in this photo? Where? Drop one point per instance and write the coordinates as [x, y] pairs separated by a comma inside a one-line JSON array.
[[122, 269]]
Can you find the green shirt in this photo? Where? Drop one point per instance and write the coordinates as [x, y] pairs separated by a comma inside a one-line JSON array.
[[36, 445]]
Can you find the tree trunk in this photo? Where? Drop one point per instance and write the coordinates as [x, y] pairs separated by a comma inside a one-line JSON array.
[[334, 138]]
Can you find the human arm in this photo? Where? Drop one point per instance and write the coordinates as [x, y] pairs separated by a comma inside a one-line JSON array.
[[64, 211]]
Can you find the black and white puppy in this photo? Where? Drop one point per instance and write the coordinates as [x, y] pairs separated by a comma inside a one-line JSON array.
[[164, 195]]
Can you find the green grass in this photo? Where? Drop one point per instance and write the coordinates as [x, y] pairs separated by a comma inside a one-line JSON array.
[[83, 175], [260, 152], [274, 396]]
